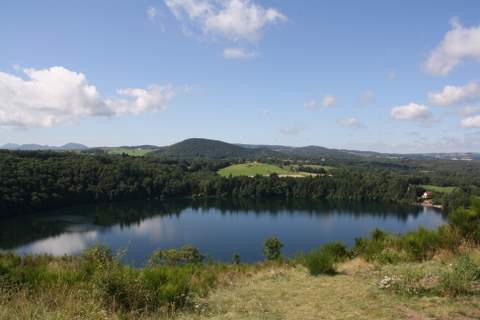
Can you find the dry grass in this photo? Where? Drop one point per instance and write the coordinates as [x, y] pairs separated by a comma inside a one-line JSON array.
[[291, 293], [268, 292]]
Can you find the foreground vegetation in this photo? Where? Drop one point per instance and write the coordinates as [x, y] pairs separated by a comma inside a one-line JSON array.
[[424, 273]]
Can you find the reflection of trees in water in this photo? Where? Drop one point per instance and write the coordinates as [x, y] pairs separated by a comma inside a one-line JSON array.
[[311, 207], [22, 230]]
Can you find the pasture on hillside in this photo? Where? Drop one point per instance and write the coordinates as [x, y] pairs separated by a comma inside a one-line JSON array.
[[252, 169], [439, 189]]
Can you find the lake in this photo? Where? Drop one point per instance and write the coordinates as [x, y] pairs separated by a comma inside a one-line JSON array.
[[218, 228]]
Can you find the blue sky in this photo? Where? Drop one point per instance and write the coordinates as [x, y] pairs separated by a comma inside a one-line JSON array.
[[370, 75]]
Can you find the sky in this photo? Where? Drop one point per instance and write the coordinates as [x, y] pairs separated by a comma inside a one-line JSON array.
[[378, 75]]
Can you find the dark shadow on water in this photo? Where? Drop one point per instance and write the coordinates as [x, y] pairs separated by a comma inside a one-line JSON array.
[[25, 230]]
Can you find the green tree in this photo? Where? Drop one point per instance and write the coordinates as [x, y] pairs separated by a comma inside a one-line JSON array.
[[272, 248]]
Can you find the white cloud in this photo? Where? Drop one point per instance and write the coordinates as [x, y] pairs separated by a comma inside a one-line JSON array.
[[57, 95], [458, 44], [152, 13], [238, 53], [329, 101], [232, 19], [469, 110], [453, 95], [368, 97], [411, 112], [471, 122], [351, 122], [311, 104]]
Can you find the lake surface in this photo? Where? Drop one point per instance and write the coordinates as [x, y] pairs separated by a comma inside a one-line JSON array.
[[217, 228]]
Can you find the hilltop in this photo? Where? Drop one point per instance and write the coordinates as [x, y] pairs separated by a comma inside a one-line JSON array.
[[209, 149], [213, 149]]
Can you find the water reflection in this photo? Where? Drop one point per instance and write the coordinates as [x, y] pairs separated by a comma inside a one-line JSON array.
[[218, 228]]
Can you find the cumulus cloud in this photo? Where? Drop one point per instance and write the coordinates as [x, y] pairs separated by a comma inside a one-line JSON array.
[[454, 95], [351, 122], [57, 95], [238, 53], [233, 19], [469, 110], [152, 13], [327, 101], [411, 112], [471, 122], [458, 44]]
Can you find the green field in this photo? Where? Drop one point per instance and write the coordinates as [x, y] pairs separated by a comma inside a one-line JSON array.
[[134, 152], [439, 189], [256, 168]]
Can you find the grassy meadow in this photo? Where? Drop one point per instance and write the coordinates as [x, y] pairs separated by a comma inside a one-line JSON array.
[[72, 288], [438, 189], [252, 169]]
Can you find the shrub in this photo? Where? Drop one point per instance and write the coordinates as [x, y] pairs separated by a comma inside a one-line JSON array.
[[185, 255], [324, 259], [459, 279], [412, 282], [321, 261], [383, 248], [467, 221], [272, 249], [337, 249], [167, 286], [236, 258], [119, 287], [421, 244]]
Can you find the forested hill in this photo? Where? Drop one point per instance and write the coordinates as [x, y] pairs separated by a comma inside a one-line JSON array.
[[203, 149], [197, 148]]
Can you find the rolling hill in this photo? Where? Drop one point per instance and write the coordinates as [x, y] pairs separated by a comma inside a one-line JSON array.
[[212, 149]]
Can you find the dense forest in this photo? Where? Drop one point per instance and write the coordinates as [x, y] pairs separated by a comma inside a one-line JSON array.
[[35, 180]]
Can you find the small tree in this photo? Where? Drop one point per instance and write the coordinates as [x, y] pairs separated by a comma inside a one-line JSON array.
[[272, 248], [236, 258]]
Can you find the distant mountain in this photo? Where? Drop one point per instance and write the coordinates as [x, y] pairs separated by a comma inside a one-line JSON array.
[[198, 148], [34, 147], [212, 149]]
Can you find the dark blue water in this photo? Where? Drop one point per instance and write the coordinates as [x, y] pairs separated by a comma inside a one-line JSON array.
[[218, 228]]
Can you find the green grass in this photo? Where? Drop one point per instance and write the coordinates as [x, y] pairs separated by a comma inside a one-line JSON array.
[[134, 152], [254, 168], [439, 189]]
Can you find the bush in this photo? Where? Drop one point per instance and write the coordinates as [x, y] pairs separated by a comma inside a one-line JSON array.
[[186, 255], [421, 244], [467, 221], [460, 278], [323, 260], [272, 249], [383, 248], [236, 258], [337, 249], [119, 287]]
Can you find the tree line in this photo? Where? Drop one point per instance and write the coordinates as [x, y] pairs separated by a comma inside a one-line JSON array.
[[33, 181]]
